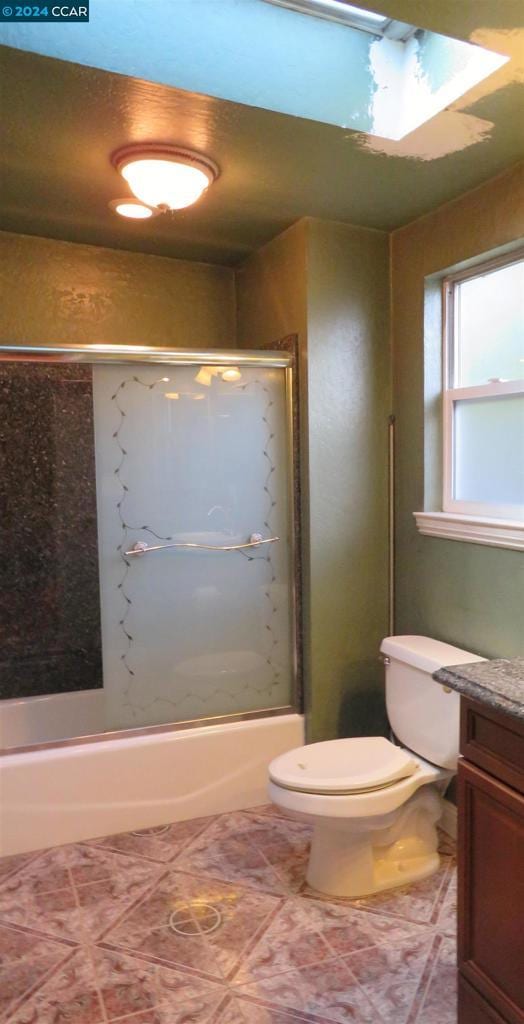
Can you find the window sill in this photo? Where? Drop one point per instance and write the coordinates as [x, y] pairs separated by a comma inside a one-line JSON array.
[[498, 533]]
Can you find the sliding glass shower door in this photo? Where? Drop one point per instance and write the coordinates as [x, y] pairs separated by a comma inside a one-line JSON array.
[[193, 481]]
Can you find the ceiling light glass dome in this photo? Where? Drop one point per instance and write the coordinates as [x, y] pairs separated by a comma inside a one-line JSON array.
[[165, 177]]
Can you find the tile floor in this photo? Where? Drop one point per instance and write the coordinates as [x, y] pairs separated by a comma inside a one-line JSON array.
[[210, 921]]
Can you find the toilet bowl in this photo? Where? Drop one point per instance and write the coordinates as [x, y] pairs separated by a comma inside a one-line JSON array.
[[374, 804]]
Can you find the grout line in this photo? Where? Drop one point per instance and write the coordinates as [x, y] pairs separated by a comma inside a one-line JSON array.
[[333, 955], [192, 839], [295, 969], [158, 961], [372, 911], [45, 892], [362, 949], [285, 1011], [203, 937], [86, 948], [251, 887], [33, 989], [380, 1019], [27, 930], [72, 943], [244, 885], [218, 1010], [145, 894], [425, 981], [429, 939], [442, 893], [139, 1015], [25, 864], [94, 846], [252, 943], [252, 946], [135, 1014], [89, 955], [121, 853], [311, 1017], [333, 959], [273, 870]]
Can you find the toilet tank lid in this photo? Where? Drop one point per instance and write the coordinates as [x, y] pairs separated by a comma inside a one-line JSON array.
[[424, 653]]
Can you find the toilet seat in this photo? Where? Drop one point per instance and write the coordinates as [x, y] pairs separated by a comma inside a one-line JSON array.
[[347, 766], [365, 804]]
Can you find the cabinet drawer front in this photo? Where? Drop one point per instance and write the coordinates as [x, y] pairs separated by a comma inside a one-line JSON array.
[[491, 891], [493, 741]]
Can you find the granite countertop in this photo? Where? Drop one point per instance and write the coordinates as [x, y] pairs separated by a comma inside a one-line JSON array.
[[498, 683]]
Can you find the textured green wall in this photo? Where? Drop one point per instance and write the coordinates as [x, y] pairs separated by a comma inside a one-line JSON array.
[[466, 594], [271, 290], [328, 283], [348, 380], [61, 292]]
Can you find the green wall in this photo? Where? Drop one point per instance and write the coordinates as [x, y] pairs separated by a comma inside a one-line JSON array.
[[349, 403], [328, 283], [271, 290], [62, 292], [466, 594]]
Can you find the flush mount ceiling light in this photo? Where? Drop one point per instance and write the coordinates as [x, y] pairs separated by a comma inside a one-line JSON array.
[[165, 177], [132, 208]]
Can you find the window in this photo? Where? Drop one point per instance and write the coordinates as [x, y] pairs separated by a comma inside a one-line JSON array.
[[483, 397]]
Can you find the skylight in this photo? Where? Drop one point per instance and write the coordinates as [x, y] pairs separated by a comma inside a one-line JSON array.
[[348, 14], [356, 11], [331, 61], [413, 74]]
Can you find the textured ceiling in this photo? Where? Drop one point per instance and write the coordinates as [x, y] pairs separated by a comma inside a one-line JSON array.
[[62, 120]]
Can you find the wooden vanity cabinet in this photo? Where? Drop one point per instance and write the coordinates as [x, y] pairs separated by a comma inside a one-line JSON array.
[[491, 867]]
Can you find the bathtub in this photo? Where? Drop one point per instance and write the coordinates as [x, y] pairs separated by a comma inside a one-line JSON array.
[[82, 789]]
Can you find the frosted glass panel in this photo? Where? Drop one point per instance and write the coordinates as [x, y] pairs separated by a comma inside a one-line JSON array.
[[489, 450], [490, 327], [192, 633]]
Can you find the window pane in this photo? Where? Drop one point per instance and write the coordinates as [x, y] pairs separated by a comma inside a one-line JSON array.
[[490, 327], [489, 450]]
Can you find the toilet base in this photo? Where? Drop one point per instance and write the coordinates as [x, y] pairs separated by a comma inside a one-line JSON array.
[[358, 857], [385, 876]]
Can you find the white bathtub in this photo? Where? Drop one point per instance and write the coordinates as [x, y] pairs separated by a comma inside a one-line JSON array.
[[67, 793], [55, 716]]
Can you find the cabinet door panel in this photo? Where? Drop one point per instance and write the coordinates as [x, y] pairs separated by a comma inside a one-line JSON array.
[[473, 1009], [491, 890]]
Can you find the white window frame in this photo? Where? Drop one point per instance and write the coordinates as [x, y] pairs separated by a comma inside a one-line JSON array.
[[452, 394]]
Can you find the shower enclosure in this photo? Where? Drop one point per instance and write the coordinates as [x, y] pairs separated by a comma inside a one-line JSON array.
[[149, 543]]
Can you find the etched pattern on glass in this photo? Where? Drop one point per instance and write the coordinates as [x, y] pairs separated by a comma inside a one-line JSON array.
[[190, 633]]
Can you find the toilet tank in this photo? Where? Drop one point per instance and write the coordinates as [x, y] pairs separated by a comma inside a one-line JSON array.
[[423, 716]]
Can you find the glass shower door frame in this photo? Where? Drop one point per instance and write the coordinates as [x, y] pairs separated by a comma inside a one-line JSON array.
[[123, 354]]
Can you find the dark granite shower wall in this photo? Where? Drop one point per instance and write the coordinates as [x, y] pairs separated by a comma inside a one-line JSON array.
[[49, 596]]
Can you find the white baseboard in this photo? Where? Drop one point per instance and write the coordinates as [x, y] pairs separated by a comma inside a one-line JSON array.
[[448, 821]]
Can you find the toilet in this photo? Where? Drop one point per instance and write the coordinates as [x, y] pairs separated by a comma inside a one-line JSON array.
[[375, 804]]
